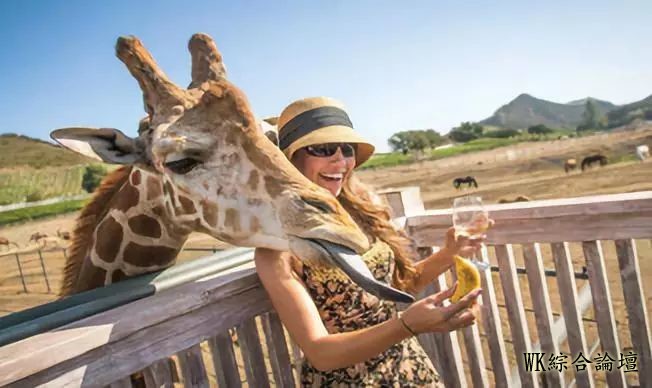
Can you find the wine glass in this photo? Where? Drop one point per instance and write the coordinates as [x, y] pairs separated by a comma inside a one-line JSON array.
[[471, 219]]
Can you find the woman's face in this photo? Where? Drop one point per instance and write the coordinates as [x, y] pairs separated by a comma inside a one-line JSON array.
[[328, 172]]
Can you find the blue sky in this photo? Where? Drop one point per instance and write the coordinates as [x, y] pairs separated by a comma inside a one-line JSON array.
[[396, 65]]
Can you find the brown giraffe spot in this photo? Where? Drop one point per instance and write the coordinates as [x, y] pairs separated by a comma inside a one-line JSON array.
[[108, 246], [158, 211], [143, 225], [89, 277], [232, 220], [254, 224], [118, 276], [135, 178], [154, 189], [146, 256], [210, 213], [188, 205], [253, 180], [273, 186], [127, 198], [231, 138]]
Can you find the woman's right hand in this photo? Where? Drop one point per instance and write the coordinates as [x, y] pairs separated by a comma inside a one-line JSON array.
[[428, 315]]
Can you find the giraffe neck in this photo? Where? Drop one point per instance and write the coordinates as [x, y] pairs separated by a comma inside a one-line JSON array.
[[136, 234]]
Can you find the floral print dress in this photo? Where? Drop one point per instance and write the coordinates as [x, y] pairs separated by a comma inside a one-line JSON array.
[[344, 307]]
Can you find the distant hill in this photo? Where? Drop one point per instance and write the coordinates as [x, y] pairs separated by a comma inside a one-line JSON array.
[[627, 113], [526, 110], [19, 150]]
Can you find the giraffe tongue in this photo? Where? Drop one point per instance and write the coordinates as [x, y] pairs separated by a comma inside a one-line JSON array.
[[352, 265]]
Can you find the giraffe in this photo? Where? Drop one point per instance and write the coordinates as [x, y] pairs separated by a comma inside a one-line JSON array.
[[200, 163]]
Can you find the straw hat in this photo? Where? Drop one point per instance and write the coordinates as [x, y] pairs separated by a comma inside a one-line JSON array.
[[317, 120]]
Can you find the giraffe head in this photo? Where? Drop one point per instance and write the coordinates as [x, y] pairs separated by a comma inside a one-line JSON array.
[[221, 175]]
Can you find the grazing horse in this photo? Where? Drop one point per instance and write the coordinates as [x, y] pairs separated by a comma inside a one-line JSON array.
[[586, 162], [37, 236], [642, 152], [520, 198], [64, 235], [5, 241], [570, 164], [469, 180]]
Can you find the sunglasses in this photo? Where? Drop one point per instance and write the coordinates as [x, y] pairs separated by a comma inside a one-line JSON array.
[[329, 149]]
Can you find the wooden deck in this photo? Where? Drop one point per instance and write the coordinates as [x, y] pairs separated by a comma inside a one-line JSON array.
[[106, 348]]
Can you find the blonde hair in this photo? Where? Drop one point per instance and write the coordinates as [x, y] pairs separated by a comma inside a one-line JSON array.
[[375, 219]]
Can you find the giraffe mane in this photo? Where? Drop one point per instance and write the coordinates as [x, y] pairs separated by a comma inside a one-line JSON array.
[[87, 221]]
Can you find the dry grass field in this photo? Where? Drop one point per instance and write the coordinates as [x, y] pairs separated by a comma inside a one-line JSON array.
[[536, 171]]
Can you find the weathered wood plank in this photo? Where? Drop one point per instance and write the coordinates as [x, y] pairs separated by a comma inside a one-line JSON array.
[[427, 340], [515, 312], [193, 370], [639, 324], [297, 360], [604, 313], [158, 375], [542, 308], [601, 217], [40, 352], [117, 359], [224, 363], [492, 326], [452, 370], [252, 354], [570, 307], [279, 356]]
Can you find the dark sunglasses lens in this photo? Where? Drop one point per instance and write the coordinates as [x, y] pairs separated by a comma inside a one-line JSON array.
[[348, 150], [329, 149]]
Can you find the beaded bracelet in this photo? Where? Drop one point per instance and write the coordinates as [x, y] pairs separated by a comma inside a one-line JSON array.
[[400, 318]]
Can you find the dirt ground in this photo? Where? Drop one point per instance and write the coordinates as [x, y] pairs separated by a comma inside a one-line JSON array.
[[535, 170]]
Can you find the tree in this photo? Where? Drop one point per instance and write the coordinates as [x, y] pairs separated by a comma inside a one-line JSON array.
[[467, 131], [434, 138], [92, 177], [590, 117], [399, 142]]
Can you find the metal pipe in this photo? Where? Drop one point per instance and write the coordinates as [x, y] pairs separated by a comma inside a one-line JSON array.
[[20, 270], [45, 275]]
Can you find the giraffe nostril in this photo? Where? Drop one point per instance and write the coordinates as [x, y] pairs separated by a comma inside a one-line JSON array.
[[321, 206]]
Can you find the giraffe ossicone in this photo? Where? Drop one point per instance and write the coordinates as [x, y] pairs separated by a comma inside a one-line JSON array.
[[201, 163]]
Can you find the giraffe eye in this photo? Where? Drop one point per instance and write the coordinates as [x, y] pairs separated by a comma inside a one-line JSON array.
[[182, 166]]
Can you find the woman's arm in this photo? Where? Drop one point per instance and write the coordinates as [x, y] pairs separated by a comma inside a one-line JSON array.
[[431, 267], [327, 351], [434, 265]]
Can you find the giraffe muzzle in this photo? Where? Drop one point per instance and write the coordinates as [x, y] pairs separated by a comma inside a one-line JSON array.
[[352, 265]]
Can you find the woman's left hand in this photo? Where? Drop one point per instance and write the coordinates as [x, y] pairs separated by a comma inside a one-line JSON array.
[[463, 245]]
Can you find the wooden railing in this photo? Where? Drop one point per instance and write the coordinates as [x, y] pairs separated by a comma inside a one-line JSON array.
[[197, 323]]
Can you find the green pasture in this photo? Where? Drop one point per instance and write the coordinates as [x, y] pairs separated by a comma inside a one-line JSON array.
[[30, 185], [36, 212]]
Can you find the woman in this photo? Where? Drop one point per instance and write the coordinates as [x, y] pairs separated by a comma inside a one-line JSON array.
[[350, 337]]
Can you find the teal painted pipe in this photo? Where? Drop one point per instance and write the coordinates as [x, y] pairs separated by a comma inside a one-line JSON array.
[[39, 319]]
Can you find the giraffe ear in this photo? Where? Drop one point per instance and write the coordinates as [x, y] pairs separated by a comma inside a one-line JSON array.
[[103, 144], [270, 131]]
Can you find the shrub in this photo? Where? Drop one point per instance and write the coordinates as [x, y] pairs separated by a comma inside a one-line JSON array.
[[502, 133], [34, 195], [539, 130], [93, 175]]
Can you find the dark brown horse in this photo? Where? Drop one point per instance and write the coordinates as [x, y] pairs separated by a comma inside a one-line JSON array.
[[469, 180], [589, 160]]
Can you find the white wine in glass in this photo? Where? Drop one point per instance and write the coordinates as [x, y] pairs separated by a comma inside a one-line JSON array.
[[471, 219]]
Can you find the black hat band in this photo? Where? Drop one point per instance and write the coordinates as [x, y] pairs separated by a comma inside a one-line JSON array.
[[310, 120]]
